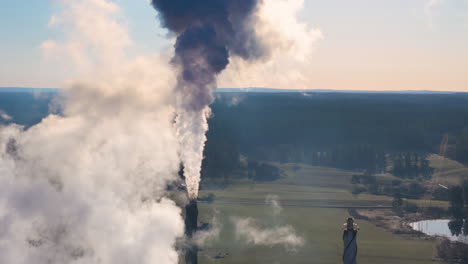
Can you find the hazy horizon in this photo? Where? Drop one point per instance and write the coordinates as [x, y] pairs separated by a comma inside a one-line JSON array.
[[265, 89]]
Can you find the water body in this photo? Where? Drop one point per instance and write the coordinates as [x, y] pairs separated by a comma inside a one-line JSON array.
[[439, 227]]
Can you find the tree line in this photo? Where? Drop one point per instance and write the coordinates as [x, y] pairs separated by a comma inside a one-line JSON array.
[[456, 252], [349, 131]]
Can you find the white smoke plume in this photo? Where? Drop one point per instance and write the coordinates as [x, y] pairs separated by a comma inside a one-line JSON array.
[[88, 185], [96, 37], [253, 232], [291, 43], [273, 201], [207, 236], [5, 116], [191, 129]]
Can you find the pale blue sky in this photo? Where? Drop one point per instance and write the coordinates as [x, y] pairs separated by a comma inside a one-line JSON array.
[[367, 44]]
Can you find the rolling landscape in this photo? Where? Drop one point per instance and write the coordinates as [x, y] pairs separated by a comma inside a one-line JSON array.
[[234, 132], [259, 152]]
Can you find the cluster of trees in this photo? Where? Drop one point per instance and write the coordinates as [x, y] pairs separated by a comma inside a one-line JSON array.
[[458, 199], [461, 153], [458, 227], [363, 179], [294, 128], [441, 194], [349, 131], [223, 161], [260, 171], [361, 157], [397, 189], [411, 166], [364, 183], [456, 252], [411, 190], [453, 252]]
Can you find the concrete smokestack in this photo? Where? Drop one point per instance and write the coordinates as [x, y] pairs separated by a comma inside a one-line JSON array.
[[191, 225]]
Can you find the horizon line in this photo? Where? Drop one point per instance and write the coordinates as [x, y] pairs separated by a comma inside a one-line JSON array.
[[257, 89]]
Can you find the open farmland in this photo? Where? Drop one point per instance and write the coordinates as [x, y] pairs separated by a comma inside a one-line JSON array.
[[302, 188], [320, 228]]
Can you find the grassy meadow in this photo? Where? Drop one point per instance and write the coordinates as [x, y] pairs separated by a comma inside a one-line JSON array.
[[301, 188]]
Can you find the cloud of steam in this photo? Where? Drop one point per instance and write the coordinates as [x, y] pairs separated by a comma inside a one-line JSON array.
[[5, 116], [191, 130], [208, 32], [206, 236], [101, 24], [273, 201], [88, 186], [290, 42], [253, 232]]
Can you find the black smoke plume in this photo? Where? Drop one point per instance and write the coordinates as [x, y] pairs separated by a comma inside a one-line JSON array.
[[208, 33]]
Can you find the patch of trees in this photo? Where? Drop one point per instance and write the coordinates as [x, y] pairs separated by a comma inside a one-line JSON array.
[[411, 166], [260, 171], [363, 179], [352, 157], [349, 131], [441, 194], [453, 252], [400, 206], [411, 190], [294, 128], [458, 227], [221, 160], [461, 149], [397, 189], [458, 199], [364, 183]]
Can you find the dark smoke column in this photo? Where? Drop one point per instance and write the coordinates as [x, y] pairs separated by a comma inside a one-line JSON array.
[[208, 33]]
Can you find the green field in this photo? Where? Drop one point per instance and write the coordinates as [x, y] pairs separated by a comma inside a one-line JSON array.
[[302, 187], [301, 184], [447, 172]]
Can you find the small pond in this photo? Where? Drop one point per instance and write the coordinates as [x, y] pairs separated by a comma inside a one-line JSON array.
[[455, 230]]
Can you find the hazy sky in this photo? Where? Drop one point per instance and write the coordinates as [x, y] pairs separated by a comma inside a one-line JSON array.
[[366, 44]]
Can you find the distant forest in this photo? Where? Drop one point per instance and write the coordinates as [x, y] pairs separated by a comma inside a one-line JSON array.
[[359, 132]]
